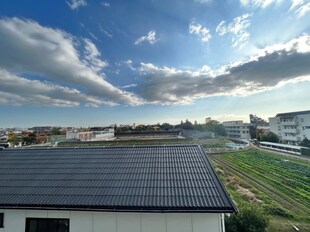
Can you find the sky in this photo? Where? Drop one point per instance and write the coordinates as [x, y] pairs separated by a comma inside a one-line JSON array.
[[100, 62]]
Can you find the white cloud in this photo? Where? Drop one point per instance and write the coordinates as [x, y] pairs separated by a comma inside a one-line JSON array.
[[16, 90], [105, 4], [105, 31], [75, 4], [272, 67], [238, 28], [203, 1], [129, 63], [301, 7], [202, 32], [29, 48], [92, 57], [258, 3], [129, 86], [150, 37]]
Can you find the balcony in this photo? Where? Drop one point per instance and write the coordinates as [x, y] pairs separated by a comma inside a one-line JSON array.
[[289, 123], [290, 131], [289, 138]]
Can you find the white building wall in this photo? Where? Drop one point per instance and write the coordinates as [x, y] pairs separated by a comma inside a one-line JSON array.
[[83, 221], [291, 129]]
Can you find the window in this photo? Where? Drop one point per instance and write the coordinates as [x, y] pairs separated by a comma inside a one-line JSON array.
[[47, 225], [1, 220]]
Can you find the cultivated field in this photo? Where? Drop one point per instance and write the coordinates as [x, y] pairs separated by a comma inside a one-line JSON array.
[[278, 184]]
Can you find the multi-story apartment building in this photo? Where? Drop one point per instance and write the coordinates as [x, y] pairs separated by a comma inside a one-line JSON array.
[[237, 129], [291, 127]]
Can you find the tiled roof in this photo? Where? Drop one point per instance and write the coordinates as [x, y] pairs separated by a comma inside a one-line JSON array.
[[141, 178]]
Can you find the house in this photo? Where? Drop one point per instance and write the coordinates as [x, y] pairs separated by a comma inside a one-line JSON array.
[[98, 189], [292, 127]]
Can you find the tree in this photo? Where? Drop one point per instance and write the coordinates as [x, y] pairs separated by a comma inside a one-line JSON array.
[[166, 126], [216, 127], [249, 219], [56, 131], [305, 143], [12, 138], [269, 137], [188, 125], [30, 138]]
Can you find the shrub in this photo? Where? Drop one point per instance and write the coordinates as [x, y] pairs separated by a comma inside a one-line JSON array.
[[249, 219]]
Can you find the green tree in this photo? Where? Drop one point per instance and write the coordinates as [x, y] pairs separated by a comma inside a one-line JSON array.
[[305, 143], [30, 138], [269, 137], [12, 138], [216, 127], [56, 131], [249, 219], [166, 126]]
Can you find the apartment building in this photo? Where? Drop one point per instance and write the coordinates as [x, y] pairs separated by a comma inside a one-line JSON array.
[[292, 127], [238, 129]]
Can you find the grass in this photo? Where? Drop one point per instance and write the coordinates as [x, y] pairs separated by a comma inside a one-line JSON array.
[[278, 184]]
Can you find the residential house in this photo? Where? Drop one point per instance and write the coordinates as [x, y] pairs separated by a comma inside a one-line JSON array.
[[104, 189]]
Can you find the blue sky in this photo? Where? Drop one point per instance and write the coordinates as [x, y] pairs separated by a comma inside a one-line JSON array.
[[91, 63]]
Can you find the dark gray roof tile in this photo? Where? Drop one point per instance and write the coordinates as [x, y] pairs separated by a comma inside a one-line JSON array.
[[163, 178]]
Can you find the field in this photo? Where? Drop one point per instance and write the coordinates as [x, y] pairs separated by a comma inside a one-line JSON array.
[[278, 184], [206, 143]]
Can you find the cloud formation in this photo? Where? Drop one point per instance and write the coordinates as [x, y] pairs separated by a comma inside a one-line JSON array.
[[300, 7], [272, 67], [150, 37], [75, 4], [21, 91], [105, 4], [54, 55], [202, 32], [238, 29], [258, 3]]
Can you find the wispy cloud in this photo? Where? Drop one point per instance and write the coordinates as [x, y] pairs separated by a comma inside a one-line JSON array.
[[150, 37], [238, 29], [129, 63], [272, 67], [300, 7], [202, 32], [55, 57], [105, 4], [105, 31], [75, 4], [91, 57], [258, 3], [203, 1], [129, 86]]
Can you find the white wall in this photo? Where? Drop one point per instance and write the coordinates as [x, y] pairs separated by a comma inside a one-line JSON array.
[[14, 221]]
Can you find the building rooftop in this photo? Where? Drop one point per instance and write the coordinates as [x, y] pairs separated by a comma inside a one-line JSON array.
[[141, 178], [293, 114]]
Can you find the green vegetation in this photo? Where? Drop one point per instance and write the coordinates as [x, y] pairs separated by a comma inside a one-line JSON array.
[[277, 185], [250, 218], [267, 136], [207, 143]]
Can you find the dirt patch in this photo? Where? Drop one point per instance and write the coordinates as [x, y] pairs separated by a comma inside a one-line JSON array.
[[248, 194]]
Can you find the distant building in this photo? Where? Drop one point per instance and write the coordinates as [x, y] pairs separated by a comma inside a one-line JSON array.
[[71, 135], [292, 127], [238, 129], [41, 128], [85, 136], [96, 135], [106, 134]]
